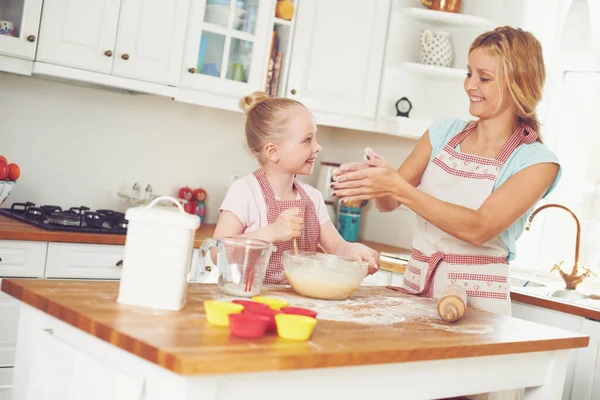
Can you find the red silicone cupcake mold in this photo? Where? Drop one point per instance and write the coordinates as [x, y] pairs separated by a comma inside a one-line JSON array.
[[248, 325], [299, 311], [265, 312], [250, 305]]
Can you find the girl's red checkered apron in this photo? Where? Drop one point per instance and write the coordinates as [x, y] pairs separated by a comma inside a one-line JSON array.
[[309, 239], [439, 259]]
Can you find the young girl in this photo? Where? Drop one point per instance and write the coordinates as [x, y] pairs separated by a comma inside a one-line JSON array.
[[271, 204]]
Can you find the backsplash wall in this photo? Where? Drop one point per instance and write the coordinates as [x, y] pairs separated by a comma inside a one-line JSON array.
[[81, 145]]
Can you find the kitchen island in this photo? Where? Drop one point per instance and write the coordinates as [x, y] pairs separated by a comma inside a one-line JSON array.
[[75, 338]]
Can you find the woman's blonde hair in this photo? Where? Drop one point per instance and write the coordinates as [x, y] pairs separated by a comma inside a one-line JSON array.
[[521, 63], [267, 119]]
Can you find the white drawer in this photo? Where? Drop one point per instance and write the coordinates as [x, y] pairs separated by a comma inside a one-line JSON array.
[[20, 258], [9, 317], [5, 383], [92, 261]]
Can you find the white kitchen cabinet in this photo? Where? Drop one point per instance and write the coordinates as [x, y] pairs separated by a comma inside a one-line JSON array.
[[137, 39], [9, 322], [226, 47], [5, 383], [558, 320], [79, 33], [586, 380], [151, 39], [61, 370], [84, 261], [25, 17], [22, 259], [338, 54]]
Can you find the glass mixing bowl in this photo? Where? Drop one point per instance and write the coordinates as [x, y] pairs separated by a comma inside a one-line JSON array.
[[323, 276]]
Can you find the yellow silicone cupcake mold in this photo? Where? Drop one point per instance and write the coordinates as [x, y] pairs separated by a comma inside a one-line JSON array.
[[217, 312], [295, 327], [274, 303]]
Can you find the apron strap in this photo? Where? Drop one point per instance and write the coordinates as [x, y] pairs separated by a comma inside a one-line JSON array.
[[265, 186], [456, 140], [301, 191], [523, 134]]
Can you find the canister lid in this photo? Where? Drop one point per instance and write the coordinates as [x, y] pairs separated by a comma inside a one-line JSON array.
[[163, 216]]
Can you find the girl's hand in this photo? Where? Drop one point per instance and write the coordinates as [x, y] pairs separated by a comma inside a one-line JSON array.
[[361, 253], [370, 179], [289, 225]]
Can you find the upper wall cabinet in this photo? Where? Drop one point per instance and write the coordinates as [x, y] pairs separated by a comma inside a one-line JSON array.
[[226, 46], [338, 54], [139, 39], [19, 27]]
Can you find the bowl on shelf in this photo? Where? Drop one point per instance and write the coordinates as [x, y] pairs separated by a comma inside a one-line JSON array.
[[5, 188], [219, 15], [323, 276]]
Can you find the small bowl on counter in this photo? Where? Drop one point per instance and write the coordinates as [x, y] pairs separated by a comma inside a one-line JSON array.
[[5, 189], [323, 276]]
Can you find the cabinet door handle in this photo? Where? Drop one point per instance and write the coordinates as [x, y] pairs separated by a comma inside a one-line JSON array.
[[0, 259], [125, 56], [31, 38], [293, 91], [208, 268], [192, 70], [108, 53], [119, 264]]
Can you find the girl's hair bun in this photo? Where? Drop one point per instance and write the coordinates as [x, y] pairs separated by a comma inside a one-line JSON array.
[[247, 103]]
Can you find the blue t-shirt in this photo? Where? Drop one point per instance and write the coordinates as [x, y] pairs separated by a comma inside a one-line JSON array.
[[442, 130]]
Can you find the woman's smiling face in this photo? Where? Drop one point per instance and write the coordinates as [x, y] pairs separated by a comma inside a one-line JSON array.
[[487, 91]]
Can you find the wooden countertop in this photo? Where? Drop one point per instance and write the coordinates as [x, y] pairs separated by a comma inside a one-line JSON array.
[[376, 326], [11, 229], [556, 304]]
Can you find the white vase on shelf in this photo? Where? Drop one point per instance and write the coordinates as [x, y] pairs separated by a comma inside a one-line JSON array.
[[436, 48]]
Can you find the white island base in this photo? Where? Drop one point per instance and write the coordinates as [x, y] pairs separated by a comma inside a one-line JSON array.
[[56, 361]]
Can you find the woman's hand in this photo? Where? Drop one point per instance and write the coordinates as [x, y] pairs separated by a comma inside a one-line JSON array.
[[367, 180], [361, 253]]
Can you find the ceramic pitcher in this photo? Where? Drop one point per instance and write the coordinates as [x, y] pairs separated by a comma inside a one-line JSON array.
[[436, 48]]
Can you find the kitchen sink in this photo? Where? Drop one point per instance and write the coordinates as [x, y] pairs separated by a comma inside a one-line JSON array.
[[569, 294]]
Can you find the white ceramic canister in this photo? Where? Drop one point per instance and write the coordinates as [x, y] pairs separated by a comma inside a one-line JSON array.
[[158, 254]]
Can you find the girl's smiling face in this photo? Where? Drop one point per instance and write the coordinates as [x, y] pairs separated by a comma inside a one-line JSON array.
[[299, 149], [487, 91]]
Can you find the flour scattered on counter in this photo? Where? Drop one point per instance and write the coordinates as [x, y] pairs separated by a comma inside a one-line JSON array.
[[368, 311], [378, 311]]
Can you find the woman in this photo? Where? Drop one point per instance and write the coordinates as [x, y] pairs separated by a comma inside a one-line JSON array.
[[472, 185]]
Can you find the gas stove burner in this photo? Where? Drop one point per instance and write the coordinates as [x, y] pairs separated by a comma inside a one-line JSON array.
[[79, 210], [34, 213], [51, 209], [65, 218], [75, 219]]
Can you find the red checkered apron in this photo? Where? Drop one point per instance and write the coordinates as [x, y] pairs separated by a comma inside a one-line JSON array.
[[439, 259], [309, 239]]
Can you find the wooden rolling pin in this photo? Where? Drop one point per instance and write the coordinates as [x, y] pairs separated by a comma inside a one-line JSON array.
[[453, 303]]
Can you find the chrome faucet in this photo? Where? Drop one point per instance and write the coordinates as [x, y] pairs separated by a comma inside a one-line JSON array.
[[572, 279]]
